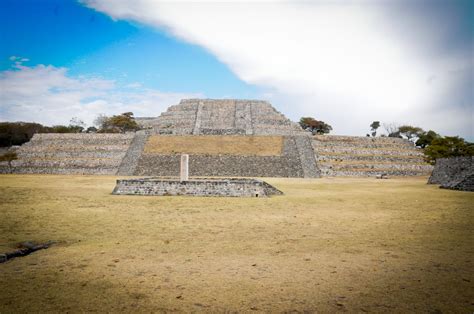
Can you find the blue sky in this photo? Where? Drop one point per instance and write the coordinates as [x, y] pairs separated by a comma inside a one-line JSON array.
[[64, 33], [402, 62]]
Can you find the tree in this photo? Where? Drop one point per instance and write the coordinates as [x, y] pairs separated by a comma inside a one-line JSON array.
[[9, 157], [410, 132], [314, 126], [426, 138], [91, 129], [118, 123], [449, 146], [373, 127], [17, 133], [392, 129], [76, 125], [100, 120]]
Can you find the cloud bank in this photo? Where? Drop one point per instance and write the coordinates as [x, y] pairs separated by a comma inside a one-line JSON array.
[[48, 95], [348, 63]]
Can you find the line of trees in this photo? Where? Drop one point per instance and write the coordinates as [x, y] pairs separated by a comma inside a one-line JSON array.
[[18, 133], [434, 145]]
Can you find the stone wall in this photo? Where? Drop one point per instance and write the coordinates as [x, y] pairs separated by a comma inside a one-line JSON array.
[[367, 156], [202, 187], [130, 161], [71, 154], [454, 173], [288, 164]]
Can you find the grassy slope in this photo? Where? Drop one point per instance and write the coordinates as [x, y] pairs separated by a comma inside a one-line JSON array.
[[327, 244]]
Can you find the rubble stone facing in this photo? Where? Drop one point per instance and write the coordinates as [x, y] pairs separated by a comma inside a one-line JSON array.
[[68, 153], [223, 117], [130, 161], [368, 156], [201, 187], [454, 173], [286, 165]]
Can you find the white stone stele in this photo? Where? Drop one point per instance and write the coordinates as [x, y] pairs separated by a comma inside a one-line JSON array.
[[184, 170]]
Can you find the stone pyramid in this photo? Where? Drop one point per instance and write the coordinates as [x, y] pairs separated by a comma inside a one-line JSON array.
[[222, 117]]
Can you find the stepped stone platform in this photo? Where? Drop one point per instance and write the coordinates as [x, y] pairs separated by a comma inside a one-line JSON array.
[[226, 137], [367, 156], [198, 187], [455, 173], [222, 117], [223, 138], [250, 156], [71, 154]]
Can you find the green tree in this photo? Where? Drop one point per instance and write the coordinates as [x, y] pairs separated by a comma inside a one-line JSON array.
[[9, 157], [449, 146], [426, 138], [118, 123], [17, 133], [373, 127], [314, 126]]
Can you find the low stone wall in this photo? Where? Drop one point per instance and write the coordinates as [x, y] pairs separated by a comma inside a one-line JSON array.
[[201, 187], [228, 166], [454, 173]]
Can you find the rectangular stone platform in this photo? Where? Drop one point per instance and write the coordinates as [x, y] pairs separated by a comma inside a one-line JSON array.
[[197, 187]]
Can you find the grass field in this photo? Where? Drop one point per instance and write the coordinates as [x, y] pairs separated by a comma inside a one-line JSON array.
[[346, 244]]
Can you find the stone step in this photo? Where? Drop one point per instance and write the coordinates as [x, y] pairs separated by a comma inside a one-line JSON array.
[[84, 141], [380, 166], [72, 148], [372, 173], [370, 158], [368, 144], [366, 151], [360, 139], [67, 163], [59, 170], [25, 154]]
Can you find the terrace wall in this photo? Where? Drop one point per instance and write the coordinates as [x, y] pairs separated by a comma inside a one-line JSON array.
[[367, 156]]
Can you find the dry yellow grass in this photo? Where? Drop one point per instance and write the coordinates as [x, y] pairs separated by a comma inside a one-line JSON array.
[[215, 145], [327, 245]]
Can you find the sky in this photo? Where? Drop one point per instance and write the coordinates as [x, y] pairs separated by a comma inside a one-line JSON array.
[[347, 63]]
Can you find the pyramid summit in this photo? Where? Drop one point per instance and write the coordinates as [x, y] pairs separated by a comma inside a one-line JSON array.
[[222, 117]]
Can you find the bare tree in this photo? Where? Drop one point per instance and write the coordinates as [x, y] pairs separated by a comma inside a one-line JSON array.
[[392, 129]]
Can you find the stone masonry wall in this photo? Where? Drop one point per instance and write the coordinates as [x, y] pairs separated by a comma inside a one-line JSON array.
[[454, 173], [202, 187], [71, 154], [367, 156], [223, 117], [286, 165]]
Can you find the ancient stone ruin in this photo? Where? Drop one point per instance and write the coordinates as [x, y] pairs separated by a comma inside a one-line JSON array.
[[196, 187], [456, 173], [368, 156], [223, 138]]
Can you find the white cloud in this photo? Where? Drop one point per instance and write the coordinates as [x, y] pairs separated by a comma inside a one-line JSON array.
[[48, 95], [344, 62]]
